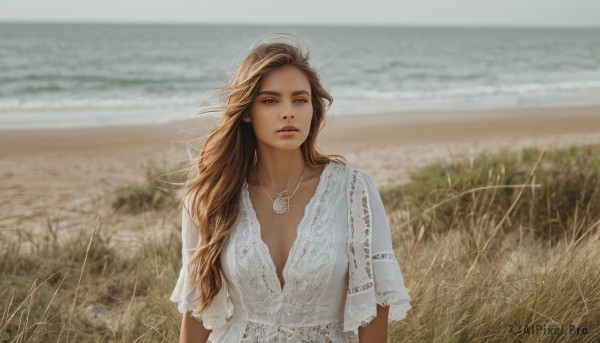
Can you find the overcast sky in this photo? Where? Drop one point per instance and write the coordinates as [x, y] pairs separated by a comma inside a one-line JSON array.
[[573, 13]]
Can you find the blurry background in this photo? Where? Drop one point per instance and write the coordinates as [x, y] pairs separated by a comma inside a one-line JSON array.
[[479, 121]]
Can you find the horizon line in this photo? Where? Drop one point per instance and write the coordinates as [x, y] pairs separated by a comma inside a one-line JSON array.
[[365, 25]]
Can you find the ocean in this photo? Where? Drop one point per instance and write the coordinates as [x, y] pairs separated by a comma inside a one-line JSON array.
[[78, 75]]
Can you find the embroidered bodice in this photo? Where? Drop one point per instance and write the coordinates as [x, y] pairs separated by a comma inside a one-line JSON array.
[[340, 266]]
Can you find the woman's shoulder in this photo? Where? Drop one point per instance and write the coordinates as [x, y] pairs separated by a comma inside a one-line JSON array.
[[351, 179], [345, 168], [351, 173]]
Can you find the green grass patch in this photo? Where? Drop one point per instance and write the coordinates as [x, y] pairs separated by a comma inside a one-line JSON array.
[[160, 190], [553, 200]]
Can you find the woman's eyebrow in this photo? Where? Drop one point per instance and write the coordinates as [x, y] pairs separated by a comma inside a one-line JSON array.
[[302, 91]]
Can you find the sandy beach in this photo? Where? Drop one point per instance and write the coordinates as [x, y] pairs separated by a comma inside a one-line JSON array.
[[68, 176]]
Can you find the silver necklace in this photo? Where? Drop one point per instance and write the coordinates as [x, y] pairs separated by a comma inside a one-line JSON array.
[[281, 204]]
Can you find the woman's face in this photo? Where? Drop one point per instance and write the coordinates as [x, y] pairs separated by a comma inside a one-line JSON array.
[[283, 98]]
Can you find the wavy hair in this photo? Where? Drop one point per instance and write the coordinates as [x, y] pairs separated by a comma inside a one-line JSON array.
[[228, 153]]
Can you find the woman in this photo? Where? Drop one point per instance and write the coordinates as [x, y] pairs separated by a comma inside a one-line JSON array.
[[280, 242]]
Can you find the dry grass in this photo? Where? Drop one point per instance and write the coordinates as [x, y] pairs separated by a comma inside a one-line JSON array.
[[87, 290], [505, 239]]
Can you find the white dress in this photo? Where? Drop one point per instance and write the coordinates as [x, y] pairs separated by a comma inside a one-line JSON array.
[[339, 268]]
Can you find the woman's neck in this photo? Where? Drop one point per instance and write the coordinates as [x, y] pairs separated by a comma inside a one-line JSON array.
[[279, 171]]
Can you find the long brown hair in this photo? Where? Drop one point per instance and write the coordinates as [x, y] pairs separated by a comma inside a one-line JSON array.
[[229, 152]]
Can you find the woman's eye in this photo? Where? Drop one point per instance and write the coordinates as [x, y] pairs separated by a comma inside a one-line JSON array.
[[271, 101]]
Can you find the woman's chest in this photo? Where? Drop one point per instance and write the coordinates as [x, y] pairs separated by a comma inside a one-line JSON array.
[[279, 232], [316, 260]]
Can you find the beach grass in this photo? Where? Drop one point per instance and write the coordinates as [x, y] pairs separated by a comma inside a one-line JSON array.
[[502, 242], [159, 190], [501, 248]]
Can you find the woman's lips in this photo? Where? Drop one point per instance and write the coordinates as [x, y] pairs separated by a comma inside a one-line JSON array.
[[288, 127], [287, 132]]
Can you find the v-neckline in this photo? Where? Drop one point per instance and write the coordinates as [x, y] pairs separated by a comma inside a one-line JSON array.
[[299, 229]]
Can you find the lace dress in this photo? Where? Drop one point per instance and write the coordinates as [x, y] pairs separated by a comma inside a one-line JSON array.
[[340, 266]]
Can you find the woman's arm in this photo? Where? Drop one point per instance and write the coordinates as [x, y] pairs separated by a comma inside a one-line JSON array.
[[192, 330], [377, 330]]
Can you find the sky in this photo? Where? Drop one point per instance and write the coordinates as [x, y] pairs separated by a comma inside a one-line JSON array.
[[530, 13]]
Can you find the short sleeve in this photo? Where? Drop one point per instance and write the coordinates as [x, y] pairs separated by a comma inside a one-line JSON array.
[[216, 315], [374, 275], [186, 299]]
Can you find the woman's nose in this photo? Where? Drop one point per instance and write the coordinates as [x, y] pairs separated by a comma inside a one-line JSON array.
[[287, 110]]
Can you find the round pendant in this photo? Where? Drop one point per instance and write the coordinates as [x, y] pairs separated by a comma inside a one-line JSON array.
[[280, 205]]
